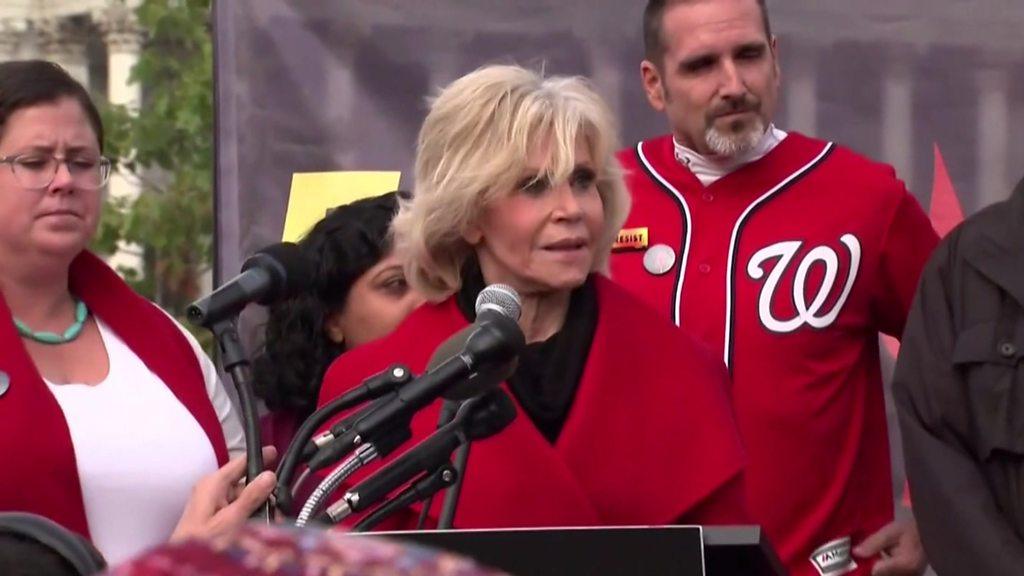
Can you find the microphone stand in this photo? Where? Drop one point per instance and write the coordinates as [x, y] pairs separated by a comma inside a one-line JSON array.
[[451, 496], [448, 410], [235, 363]]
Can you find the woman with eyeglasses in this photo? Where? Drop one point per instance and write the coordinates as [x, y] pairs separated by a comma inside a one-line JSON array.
[[110, 412]]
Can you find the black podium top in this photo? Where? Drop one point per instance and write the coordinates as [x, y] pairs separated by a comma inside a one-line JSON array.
[[652, 551]]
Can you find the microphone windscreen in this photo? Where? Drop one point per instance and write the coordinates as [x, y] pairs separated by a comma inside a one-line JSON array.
[[501, 298], [289, 266]]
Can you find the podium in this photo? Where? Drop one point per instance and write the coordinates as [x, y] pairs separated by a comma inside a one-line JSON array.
[[618, 551]]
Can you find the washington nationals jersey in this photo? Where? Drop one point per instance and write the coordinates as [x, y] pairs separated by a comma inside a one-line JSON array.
[[788, 268]]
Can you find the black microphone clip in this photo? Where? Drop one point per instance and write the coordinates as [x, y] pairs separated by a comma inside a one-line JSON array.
[[478, 418]]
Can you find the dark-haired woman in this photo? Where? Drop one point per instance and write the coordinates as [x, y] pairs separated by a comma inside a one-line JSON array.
[[110, 412], [359, 294]]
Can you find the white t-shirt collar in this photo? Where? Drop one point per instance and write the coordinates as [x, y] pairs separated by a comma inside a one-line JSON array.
[[709, 169]]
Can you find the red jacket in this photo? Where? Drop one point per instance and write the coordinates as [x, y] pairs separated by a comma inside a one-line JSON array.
[[649, 440], [40, 473]]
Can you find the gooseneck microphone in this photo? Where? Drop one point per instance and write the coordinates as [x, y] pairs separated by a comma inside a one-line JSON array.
[[496, 300], [481, 417], [274, 273], [494, 340], [271, 274]]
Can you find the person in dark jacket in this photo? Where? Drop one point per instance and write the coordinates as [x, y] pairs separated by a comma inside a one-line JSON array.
[[959, 389]]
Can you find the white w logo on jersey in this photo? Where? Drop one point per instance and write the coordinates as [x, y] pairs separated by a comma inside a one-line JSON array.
[[812, 314]]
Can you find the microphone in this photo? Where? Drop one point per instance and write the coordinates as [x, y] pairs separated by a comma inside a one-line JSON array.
[[479, 418], [499, 298], [495, 339], [273, 273], [495, 298]]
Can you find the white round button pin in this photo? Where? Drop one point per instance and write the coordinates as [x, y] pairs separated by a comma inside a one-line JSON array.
[[659, 259], [5, 382]]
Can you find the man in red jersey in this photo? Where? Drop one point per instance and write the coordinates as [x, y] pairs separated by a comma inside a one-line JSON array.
[[787, 256]]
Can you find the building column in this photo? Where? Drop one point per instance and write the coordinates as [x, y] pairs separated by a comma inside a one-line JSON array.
[[607, 73], [801, 93], [64, 42], [10, 39], [992, 81], [898, 113], [123, 39]]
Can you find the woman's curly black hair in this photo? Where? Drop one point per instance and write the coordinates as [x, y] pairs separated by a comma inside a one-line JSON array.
[[296, 352]]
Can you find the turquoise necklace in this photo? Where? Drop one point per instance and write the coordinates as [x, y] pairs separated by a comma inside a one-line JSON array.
[[81, 313]]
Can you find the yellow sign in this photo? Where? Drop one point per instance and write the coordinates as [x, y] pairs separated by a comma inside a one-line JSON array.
[[313, 194], [631, 239]]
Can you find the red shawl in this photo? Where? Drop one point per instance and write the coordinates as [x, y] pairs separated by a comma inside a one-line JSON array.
[[40, 472], [648, 440]]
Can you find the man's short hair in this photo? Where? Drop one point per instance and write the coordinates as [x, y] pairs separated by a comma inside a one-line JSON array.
[[654, 41]]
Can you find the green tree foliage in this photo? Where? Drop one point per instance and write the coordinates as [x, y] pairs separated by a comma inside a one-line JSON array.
[[168, 148]]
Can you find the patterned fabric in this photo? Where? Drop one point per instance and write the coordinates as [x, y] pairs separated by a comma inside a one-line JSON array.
[[280, 551]]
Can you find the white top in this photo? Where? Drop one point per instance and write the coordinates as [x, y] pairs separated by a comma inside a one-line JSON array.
[[139, 450], [709, 169]]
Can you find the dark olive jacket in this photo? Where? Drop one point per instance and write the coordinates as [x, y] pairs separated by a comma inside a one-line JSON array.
[[959, 389]]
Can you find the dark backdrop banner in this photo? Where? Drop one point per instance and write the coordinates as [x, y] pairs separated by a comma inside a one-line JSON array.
[[326, 85], [323, 85]]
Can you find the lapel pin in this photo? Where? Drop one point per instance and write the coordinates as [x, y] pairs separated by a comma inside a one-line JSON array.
[[659, 259]]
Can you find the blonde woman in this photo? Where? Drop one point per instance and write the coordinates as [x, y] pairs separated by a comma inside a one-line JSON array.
[[622, 418]]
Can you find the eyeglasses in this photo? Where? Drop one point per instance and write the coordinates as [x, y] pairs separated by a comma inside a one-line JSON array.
[[37, 171]]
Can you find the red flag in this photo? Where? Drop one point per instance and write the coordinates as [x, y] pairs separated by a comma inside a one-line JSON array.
[[945, 213], [945, 210]]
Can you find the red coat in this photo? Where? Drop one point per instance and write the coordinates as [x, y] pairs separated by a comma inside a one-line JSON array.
[[649, 438], [788, 268], [40, 473]]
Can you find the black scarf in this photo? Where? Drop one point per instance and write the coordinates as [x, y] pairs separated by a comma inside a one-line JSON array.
[[548, 373]]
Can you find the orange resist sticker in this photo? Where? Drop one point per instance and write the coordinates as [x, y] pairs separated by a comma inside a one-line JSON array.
[[630, 239]]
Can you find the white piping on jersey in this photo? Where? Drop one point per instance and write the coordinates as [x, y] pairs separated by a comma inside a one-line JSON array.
[[733, 241], [676, 308]]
